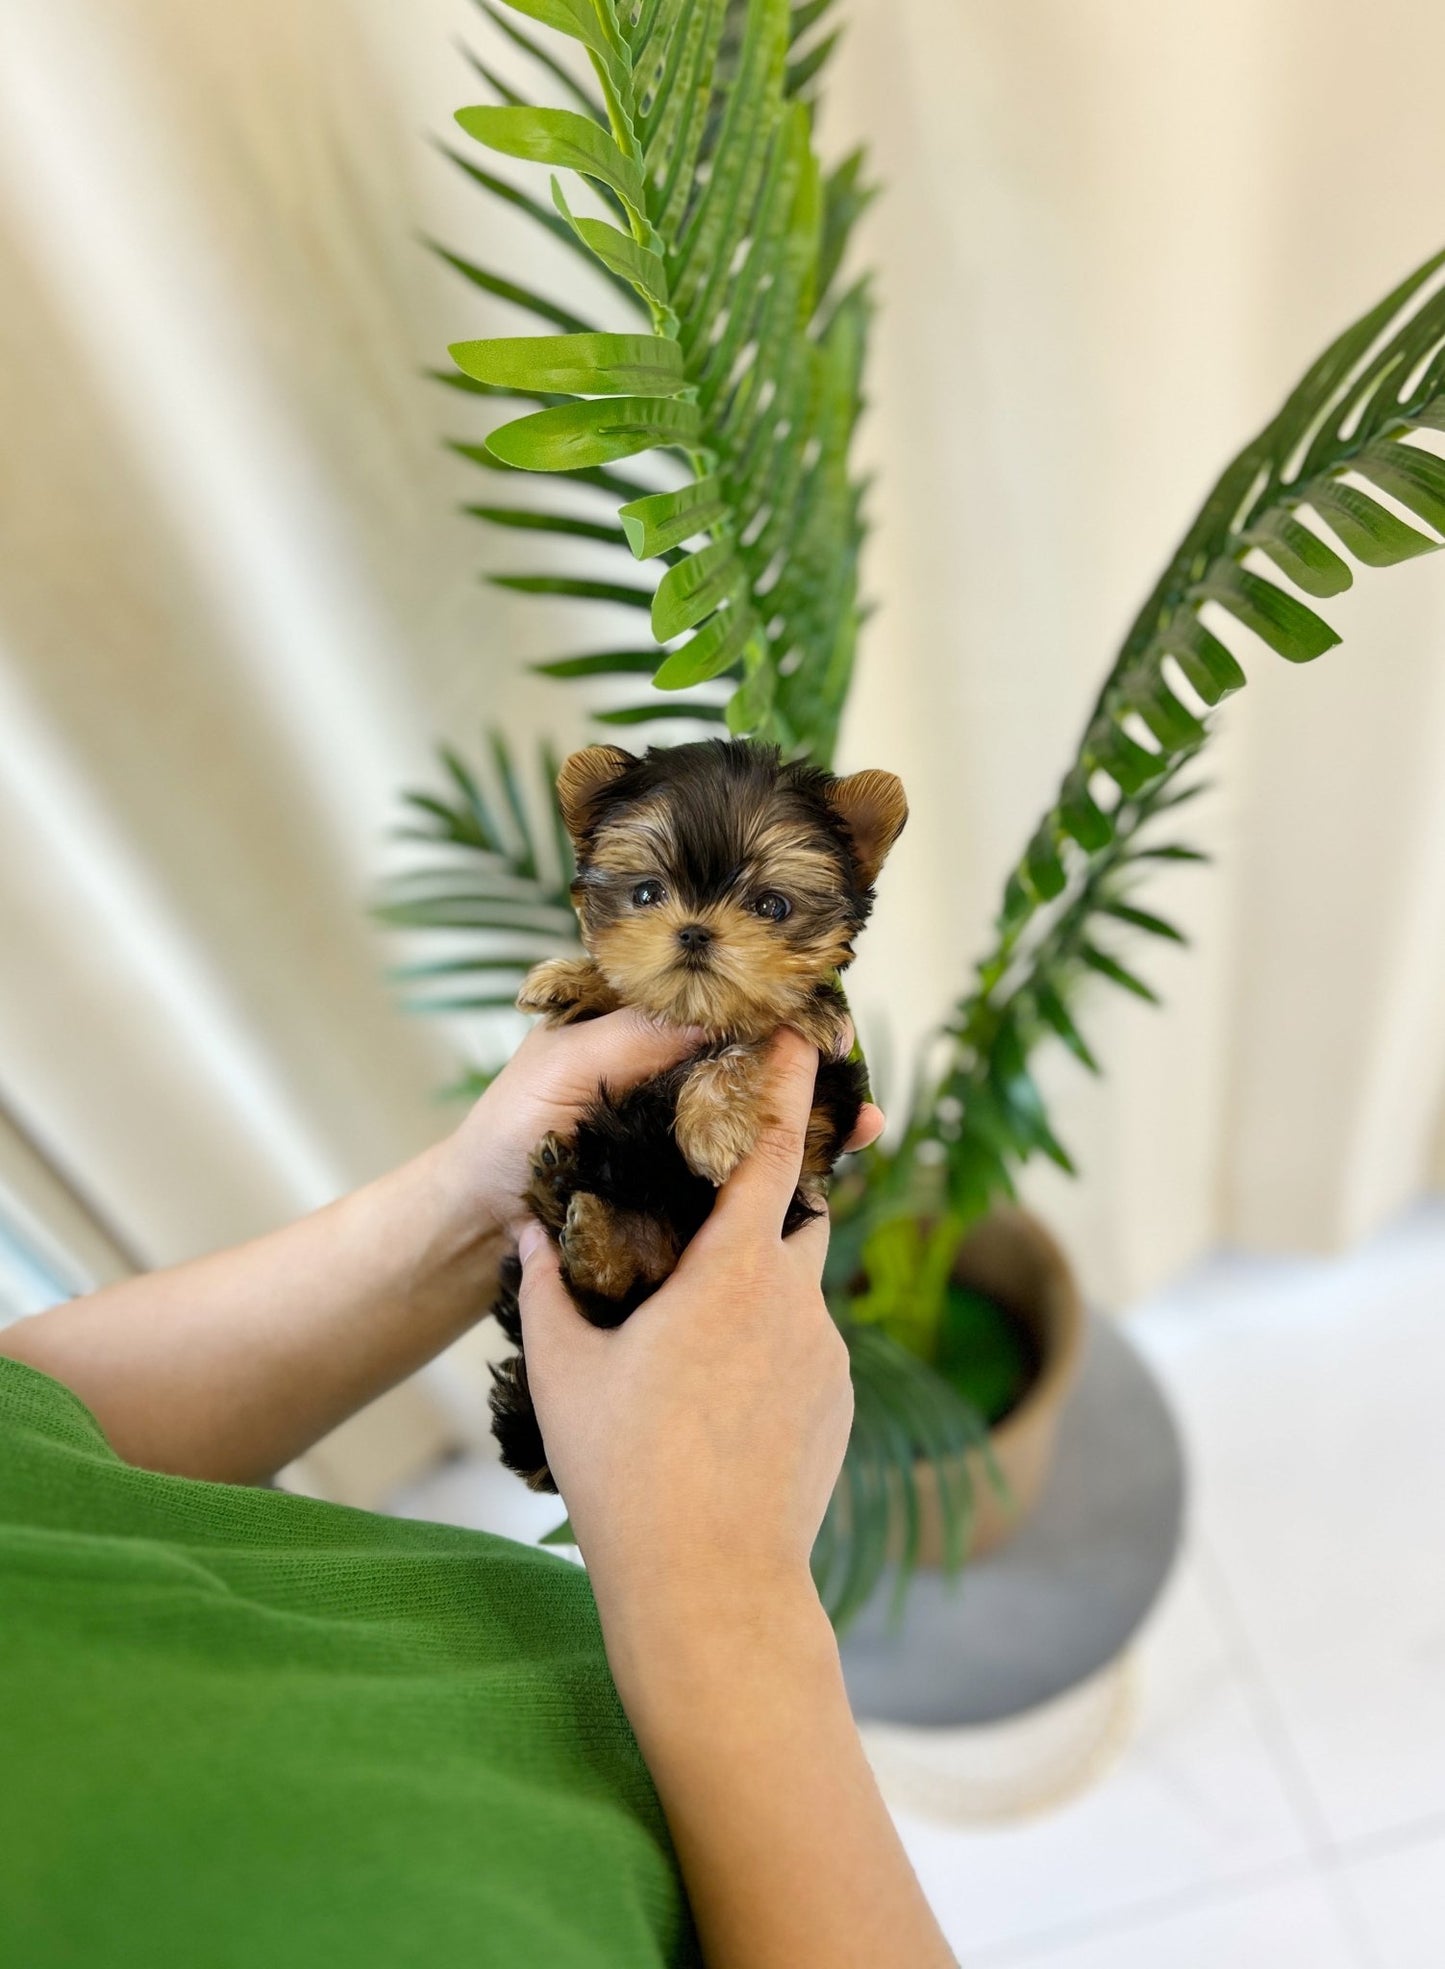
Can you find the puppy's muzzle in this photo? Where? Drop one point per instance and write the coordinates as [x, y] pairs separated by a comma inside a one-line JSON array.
[[695, 942]]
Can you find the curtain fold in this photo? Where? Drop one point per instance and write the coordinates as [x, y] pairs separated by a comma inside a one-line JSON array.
[[237, 602]]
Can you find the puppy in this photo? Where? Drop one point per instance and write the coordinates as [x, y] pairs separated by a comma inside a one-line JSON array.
[[717, 886]]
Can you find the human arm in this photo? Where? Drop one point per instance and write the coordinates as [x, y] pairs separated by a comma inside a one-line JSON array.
[[231, 1365], [696, 1447]]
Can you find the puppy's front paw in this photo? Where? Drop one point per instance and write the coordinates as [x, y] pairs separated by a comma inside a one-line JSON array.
[[611, 1253], [553, 1180], [565, 989], [595, 1253], [719, 1116]]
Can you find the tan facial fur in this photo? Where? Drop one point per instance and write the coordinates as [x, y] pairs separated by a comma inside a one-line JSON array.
[[757, 972], [679, 855]]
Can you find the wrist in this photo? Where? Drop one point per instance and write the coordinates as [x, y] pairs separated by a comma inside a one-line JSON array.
[[449, 1237], [689, 1652], [464, 1209]]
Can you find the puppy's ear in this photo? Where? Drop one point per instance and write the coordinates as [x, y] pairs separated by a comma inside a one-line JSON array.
[[583, 776], [873, 807]]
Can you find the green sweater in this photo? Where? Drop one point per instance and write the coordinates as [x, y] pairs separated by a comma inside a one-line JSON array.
[[243, 1730]]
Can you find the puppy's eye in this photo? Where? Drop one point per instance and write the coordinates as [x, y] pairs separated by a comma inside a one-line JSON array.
[[647, 894], [772, 905]]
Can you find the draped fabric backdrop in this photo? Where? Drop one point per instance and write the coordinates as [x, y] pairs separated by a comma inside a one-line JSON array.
[[238, 604]]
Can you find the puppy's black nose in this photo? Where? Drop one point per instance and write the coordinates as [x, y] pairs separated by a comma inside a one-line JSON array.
[[694, 936]]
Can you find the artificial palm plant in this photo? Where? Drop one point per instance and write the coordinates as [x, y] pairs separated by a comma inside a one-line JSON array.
[[736, 360]]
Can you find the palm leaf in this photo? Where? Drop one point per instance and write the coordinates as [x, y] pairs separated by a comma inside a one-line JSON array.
[[1285, 520], [492, 886], [903, 1414], [735, 360]]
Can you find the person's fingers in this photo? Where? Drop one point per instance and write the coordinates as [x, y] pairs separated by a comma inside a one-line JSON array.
[[867, 1129], [623, 1048], [761, 1187]]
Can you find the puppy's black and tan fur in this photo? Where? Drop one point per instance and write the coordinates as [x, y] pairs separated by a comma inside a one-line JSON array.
[[718, 887]]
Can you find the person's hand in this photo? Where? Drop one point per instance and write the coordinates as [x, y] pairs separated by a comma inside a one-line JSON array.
[[545, 1087], [696, 1445]]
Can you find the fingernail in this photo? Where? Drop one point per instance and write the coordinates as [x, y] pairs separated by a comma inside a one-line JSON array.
[[532, 1236]]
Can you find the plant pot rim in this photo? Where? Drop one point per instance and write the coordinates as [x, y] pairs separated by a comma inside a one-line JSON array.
[[1061, 1355], [1012, 1257]]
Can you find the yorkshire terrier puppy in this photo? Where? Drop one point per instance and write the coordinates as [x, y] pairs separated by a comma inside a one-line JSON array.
[[717, 886]]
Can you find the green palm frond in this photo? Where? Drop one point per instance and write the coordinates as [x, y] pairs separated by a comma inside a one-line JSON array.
[[493, 888], [903, 1414], [1320, 486], [731, 352]]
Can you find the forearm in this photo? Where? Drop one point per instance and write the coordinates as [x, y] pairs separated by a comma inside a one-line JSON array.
[[230, 1366], [788, 1852], [233, 1365]]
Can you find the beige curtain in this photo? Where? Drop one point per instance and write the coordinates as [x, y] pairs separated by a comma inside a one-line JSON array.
[[237, 603], [1115, 236]]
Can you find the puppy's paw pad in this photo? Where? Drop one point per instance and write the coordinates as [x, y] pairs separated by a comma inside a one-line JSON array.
[[553, 1180], [554, 1161]]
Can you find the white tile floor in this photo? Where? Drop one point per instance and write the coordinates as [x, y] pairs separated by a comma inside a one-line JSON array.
[[1282, 1799]]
